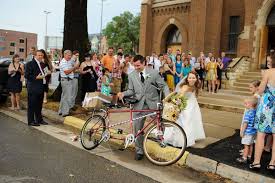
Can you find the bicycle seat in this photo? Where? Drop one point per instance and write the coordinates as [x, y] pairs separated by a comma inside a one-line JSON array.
[[130, 100]]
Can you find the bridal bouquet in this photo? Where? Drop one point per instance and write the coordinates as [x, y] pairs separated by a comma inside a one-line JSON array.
[[173, 104], [180, 101]]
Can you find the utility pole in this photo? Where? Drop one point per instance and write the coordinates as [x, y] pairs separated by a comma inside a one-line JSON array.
[[46, 32], [101, 22]]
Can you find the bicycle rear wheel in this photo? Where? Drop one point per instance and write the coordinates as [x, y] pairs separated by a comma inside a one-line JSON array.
[[156, 144], [91, 132]]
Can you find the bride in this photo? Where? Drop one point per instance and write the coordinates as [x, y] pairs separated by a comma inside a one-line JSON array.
[[189, 119]]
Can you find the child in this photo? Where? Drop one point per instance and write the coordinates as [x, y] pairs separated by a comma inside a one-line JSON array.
[[247, 131], [162, 73], [106, 82]]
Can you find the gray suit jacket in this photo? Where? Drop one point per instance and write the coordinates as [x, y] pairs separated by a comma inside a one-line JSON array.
[[146, 92]]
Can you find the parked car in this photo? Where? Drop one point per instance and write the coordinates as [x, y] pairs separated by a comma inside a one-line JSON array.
[[4, 64]]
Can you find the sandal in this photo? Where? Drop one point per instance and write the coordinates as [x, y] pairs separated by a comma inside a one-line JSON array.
[[270, 167], [255, 166], [241, 160]]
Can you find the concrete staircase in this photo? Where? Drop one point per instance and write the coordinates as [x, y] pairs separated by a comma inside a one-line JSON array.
[[230, 99]]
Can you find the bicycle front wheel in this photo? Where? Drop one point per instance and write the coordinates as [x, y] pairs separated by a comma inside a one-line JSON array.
[[92, 131], [158, 143]]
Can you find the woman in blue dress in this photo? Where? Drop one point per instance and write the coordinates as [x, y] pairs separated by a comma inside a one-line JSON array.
[[186, 67], [178, 74], [265, 116]]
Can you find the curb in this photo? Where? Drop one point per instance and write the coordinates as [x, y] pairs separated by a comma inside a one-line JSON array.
[[198, 163]]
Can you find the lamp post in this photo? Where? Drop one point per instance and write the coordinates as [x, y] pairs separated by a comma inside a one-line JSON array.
[[46, 32], [101, 21]]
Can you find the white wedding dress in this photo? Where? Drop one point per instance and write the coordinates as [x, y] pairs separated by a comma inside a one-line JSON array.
[[191, 121]]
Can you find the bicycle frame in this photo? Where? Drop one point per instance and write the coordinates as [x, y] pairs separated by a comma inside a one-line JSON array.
[[152, 112]]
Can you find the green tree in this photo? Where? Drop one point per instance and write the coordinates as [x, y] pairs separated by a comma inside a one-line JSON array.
[[123, 31]]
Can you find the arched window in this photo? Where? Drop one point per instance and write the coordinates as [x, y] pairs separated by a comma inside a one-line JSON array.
[[271, 18], [174, 36]]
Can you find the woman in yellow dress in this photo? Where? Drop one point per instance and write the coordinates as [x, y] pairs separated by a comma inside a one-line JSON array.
[[170, 71], [211, 75]]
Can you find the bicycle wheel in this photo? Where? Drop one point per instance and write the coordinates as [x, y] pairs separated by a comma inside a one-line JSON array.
[[91, 132], [156, 144]]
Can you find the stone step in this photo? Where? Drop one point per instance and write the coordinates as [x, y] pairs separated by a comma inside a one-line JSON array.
[[251, 77], [240, 88], [234, 92], [253, 73], [221, 104], [242, 84], [221, 95], [242, 80]]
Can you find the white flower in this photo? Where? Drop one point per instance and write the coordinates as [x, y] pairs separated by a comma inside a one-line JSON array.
[[147, 76]]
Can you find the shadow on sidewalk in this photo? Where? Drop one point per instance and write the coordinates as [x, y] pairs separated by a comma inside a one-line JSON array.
[[227, 151]]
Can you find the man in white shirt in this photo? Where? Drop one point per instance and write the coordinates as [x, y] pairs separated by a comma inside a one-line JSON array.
[[154, 61], [67, 69]]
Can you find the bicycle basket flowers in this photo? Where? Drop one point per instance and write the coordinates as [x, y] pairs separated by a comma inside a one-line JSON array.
[[173, 104]]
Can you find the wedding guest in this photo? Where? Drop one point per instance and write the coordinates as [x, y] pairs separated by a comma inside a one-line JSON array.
[[47, 67], [76, 63], [67, 68], [106, 83], [225, 60], [14, 85], [211, 75], [219, 74], [178, 73], [89, 77], [170, 70], [265, 116], [98, 69], [199, 68], [116, 80], [186, 68], [109, 59], [247, 131], [35, 87]]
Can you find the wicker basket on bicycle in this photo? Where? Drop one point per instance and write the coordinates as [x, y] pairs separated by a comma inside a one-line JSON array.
[[173, 104]]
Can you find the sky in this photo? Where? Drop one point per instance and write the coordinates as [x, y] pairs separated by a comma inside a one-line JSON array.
[[29, 16]]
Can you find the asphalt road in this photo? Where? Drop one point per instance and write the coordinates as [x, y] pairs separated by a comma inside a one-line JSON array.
[[28, 156]]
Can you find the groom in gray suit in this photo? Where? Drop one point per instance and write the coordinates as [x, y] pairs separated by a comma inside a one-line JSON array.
[[141, 86]]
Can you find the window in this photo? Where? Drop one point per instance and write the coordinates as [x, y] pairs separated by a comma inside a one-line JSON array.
[[2, 39], [12, 44], [174, 36], [234, 32], [21, 49], [11, 52], [21, 41], [2, 48]]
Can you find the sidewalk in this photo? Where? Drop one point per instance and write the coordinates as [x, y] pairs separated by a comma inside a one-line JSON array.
[[214, 158]]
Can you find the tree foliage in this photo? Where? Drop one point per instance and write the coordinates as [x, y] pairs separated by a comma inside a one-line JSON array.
[[123, 31]]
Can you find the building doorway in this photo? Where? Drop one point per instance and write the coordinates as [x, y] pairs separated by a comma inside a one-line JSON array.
[[267, 41], [173, 39]]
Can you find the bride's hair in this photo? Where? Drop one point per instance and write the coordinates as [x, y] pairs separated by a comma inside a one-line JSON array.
[[197, 84]]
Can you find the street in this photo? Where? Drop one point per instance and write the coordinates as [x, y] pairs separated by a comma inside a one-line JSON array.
[[30, 155]]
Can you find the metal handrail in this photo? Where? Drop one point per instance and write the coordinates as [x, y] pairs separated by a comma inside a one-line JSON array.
[[233, 67]]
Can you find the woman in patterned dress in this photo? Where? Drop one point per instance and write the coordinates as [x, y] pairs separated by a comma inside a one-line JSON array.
[[170, 70], [98, 69], [211, 75], [265, 116]]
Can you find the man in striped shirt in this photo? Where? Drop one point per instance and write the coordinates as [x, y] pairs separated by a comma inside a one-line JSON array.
[[67, 68]]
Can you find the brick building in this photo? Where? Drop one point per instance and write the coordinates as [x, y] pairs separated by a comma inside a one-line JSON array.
[[238, 27], [15, 42]]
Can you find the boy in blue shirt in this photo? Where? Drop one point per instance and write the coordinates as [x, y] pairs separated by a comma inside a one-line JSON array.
[[247, 131]]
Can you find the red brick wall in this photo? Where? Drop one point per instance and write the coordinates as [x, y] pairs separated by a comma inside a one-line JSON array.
[[30, 40]]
